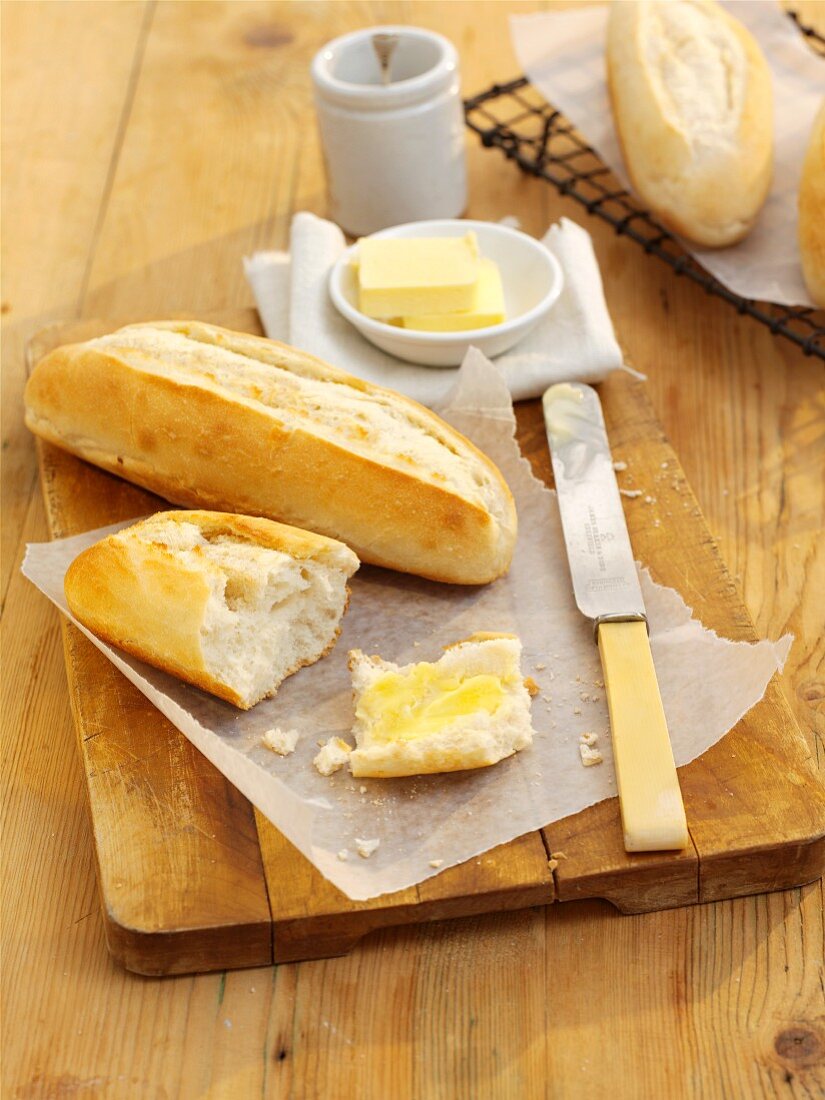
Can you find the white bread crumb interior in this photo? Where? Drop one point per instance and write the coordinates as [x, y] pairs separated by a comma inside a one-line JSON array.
[[267, 614]]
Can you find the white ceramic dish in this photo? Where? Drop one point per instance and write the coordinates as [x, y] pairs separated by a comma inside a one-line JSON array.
[[531, 276]]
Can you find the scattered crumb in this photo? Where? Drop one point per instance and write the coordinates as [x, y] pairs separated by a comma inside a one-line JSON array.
[[416, 644], [619, 466], [590, 756], [650, 500], [540, 668], [547, 698], [725, 492], [436, 863], [333, 756], [585, 698], [532, 686], [343, 855], [577, 710], [552, 864], [589, 738], [578, 679], [632, 493], [559, 855], [281, 741], [663, 465], [657, 523], [362, 790], [365, 848]]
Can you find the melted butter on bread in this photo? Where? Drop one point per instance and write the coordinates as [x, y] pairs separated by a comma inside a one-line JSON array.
[[469, 709], [403, 706]]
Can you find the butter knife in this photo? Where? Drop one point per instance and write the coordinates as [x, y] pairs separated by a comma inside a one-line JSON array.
[[607, 591]]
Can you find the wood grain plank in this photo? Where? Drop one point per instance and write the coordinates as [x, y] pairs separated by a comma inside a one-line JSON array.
[[58, 140], [313, 919]]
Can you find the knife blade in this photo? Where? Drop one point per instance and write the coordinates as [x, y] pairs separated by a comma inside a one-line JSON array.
[[607, 591]]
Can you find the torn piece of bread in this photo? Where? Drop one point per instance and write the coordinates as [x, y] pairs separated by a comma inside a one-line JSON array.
[[230, 603], [209, 418], [469, 709]]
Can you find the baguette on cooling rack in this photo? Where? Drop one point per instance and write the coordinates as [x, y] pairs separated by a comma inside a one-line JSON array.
[[812, 212], [692, 102]]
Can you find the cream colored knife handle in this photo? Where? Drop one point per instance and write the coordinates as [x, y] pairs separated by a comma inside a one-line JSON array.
[[653, 814]]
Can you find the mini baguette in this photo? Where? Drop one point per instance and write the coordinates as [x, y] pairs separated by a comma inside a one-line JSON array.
[[692, 101], [210, 418], [232, 604], [812, 212]]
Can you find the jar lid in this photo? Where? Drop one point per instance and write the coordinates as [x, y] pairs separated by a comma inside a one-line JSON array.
[[346, 71]]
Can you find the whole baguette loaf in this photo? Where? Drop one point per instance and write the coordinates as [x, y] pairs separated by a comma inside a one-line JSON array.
[[812, 212], [210, 418], [692, 102], [232, 604]]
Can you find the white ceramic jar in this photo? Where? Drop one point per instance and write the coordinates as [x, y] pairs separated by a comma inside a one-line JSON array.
[[394, 153]]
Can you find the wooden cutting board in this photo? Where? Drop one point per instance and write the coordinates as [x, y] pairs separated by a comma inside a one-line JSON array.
[[193, 878]]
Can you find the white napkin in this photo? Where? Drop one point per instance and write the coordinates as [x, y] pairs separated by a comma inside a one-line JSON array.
[[575, 340], [562, 52]]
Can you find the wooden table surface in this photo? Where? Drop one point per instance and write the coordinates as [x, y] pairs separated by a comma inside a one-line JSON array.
[[147, 148]]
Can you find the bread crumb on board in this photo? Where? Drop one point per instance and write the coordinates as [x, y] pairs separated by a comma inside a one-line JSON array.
[[365, 848], [282, 742], [436, 863], [590, 756], [343, 855], [332, 756], [632, 493], [619, 466]]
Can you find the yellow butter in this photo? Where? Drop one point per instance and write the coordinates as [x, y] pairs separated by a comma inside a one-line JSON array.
[[409, 277], [487, 308], [403, 706]]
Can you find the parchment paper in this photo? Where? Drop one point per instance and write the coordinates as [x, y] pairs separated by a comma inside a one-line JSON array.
[[707, 684], [563, 54]]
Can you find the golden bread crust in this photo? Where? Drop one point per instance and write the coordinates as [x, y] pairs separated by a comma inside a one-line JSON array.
[[709, 191], [200, 445], [812, 212], [139, 596]]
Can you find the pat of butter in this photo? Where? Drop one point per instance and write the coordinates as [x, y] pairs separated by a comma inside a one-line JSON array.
[[402, 706], [409, 277], [487, 308]]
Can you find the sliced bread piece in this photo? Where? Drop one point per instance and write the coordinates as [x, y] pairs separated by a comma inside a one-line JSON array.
[[469, 709], [231, 603]]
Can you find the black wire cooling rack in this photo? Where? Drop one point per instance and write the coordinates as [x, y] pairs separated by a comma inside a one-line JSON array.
[[516, 119]]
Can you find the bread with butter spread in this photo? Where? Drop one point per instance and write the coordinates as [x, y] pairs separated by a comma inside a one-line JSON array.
[[216, 419], [469, 709], [232, 604]]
